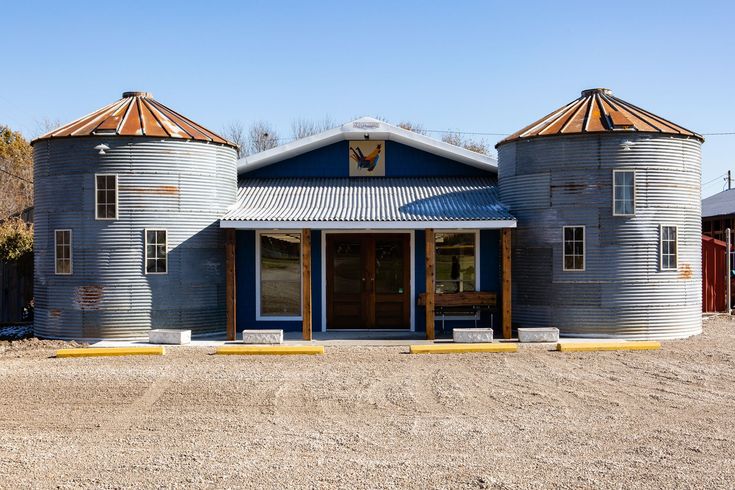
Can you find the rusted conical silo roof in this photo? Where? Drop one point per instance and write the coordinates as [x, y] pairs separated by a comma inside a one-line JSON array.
[[598, 111], [136, 114]]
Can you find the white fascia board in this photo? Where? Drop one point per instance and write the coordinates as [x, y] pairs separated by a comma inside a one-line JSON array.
[[356, 130], [366, 225]]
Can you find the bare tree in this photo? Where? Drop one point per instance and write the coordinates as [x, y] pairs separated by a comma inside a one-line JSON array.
[[411, 126], [46, 125], [235, 132], [456, 139], [261, 136], [302, 127]]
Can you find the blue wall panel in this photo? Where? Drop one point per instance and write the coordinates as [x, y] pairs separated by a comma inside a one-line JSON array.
[[402, 161]]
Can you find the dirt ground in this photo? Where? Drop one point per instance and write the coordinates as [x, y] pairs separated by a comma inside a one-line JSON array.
[[369, 417]]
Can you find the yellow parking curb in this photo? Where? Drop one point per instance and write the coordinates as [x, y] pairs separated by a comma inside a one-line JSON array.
[[607, 346], [111, 351], [274, 350], [460, 348]]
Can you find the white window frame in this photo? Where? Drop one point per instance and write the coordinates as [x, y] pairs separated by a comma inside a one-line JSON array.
[[145, 251], [584, 248], [635, 188], [71, 254], [476, 232], [117, 197], [661, 247], [277, 318]]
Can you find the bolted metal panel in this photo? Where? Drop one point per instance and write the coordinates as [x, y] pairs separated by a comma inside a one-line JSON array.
[[622, 293], [178, 185]]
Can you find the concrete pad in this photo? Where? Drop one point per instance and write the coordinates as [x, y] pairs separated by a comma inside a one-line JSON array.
[[274, 350], [545, 334], [607, 346], [169, 336], [460, 348], [262, 336], [111, 351], [472, 335]]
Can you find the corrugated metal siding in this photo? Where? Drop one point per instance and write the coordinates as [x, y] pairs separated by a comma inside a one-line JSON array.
[[183, 187], [373, 199], [622, 292]]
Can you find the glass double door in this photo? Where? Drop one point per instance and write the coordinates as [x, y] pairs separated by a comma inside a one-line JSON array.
[[368, 281]]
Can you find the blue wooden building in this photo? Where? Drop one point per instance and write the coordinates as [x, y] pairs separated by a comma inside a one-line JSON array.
[[344, 230]]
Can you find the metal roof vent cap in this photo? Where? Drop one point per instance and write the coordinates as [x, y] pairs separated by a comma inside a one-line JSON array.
[[125, 95], [592, 91]]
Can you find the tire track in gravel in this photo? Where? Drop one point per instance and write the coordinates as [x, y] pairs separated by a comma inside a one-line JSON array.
[[131, 413]]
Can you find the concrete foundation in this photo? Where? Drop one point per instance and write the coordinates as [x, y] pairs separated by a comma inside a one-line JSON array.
[[545, 334], [169, 336], [472, 335], [262, 336]]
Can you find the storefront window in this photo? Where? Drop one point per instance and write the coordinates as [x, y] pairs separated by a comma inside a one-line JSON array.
[[280, 274], [455, 262]]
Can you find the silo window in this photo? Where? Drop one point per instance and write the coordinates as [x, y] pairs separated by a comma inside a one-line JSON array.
[[156, 252], [623, 192], [279, 276], [669, 247], [62, 252], [105, 187], [574, 248]]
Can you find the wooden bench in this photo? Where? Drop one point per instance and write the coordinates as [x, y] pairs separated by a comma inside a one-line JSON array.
[[461, 304]]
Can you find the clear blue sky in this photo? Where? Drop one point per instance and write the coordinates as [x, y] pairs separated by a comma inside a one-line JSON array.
[[472, 66]]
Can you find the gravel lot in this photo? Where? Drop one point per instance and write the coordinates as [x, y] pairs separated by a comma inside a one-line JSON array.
[[362, 417]]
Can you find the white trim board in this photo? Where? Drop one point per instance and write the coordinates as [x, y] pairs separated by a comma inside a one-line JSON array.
[[367, 225], [366, 128], [280, 318]]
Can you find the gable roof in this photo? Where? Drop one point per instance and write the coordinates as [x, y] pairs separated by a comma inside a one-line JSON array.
[[721, 204], [375, 130]]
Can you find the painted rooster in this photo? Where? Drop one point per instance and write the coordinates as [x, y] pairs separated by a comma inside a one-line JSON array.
[[369, 161]]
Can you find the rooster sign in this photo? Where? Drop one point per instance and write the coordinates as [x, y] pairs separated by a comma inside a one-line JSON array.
[[367, 158]]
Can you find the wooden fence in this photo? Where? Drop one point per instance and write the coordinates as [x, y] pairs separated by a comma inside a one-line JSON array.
[[16, 281]]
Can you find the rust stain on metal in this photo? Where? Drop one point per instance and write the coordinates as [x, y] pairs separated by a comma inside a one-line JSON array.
[[598, 111], [54, 313], [89, 297], [163, 190], [137, 114], [572, 187], [686, 272]]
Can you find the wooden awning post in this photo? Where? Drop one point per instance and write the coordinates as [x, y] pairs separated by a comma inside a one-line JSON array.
[[506, 287], [230, 284], [430, 287], [306, 283]]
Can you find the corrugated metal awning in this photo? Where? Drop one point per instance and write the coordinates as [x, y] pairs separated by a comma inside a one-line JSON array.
[[383, 203]]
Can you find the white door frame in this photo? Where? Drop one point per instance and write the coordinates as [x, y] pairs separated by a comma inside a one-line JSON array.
[[412, 279]]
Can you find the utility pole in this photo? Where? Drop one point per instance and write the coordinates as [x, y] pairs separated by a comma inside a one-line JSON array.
[[729, 180]]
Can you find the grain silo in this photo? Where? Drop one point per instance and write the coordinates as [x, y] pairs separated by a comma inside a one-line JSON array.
[[607, 197], [127, 202]]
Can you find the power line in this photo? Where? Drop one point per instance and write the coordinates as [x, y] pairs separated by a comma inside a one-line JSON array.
[[16, 176], [716, 178]]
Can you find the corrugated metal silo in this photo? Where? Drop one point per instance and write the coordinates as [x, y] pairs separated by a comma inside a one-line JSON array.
[[559, 172], [173, 175]]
